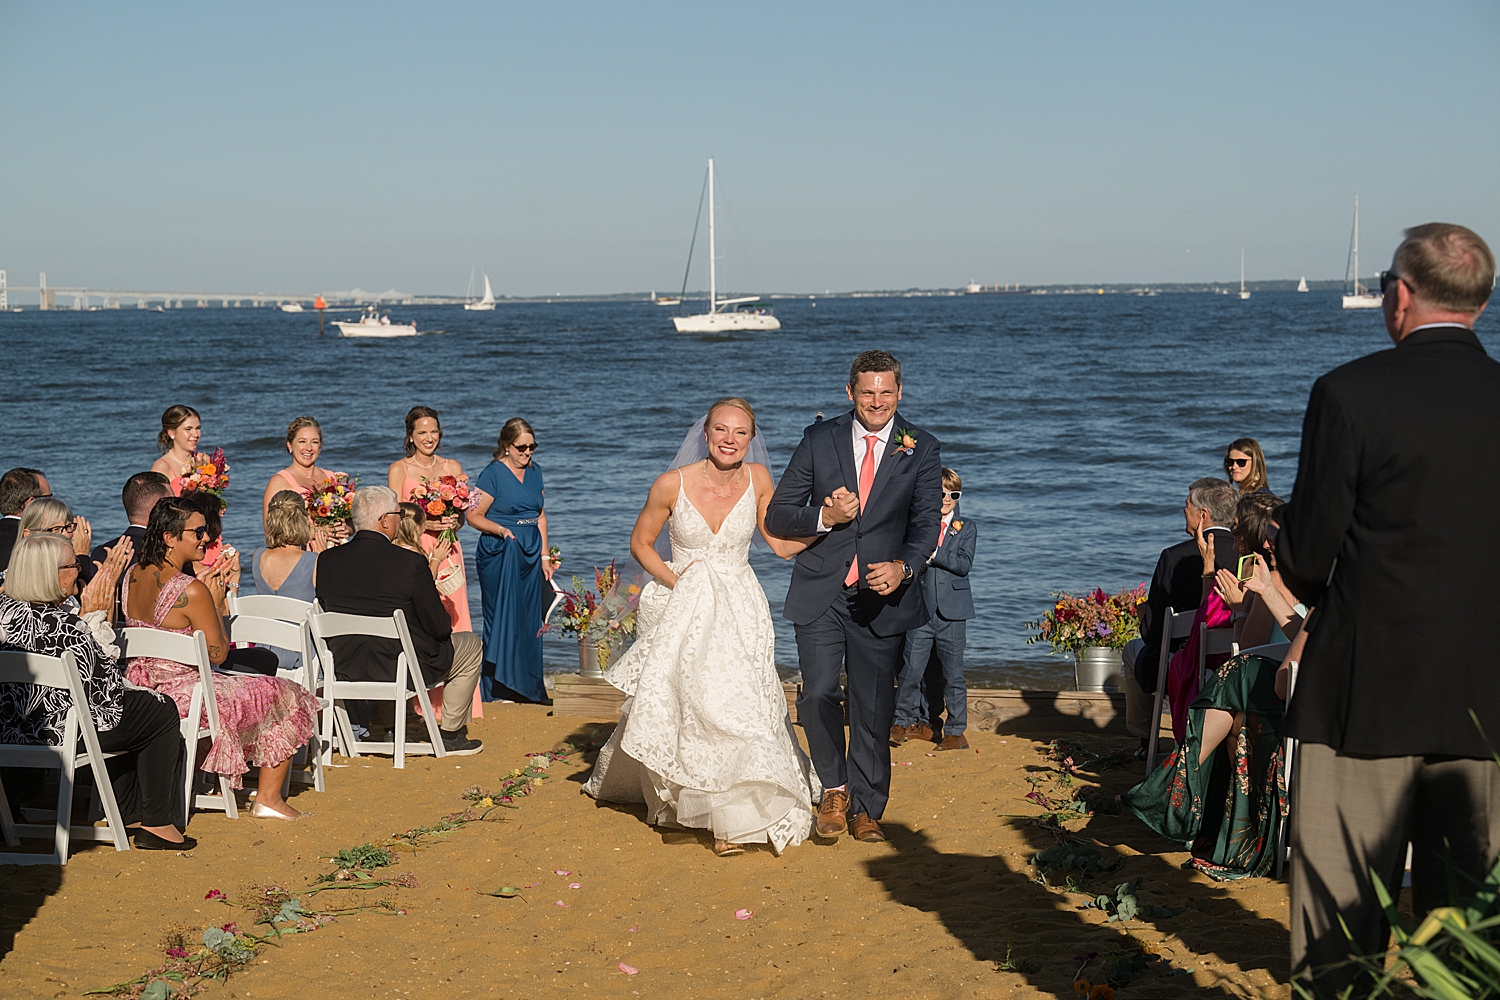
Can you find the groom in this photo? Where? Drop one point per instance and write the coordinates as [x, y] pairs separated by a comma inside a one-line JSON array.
[[868, 488]]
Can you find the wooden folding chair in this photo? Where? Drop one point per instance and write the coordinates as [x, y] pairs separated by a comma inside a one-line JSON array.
[[408, 682], [203, 709], [287, 635], [58, 672]]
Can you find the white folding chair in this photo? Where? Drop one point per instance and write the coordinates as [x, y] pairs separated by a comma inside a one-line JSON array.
[[1288, 752], [58, 672], [288, 635], [1174, 626], [203, 708], [286, 609], [408, 681]]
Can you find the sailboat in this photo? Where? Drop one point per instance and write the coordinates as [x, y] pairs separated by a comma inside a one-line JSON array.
[[1302, 285], [486, 304], [1356, 295], [724, 315], [1243, 294]]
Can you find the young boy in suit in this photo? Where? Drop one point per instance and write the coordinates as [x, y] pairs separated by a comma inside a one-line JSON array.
[[945, 589]]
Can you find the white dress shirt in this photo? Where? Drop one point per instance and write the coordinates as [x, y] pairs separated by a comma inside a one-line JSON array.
[[883, 439]]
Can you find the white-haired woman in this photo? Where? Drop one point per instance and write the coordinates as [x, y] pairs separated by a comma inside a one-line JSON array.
[[140, 726], [51, 515]]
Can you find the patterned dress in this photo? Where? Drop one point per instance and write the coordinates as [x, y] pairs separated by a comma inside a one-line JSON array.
[[262, 720], [35, 715], [1228, 809]]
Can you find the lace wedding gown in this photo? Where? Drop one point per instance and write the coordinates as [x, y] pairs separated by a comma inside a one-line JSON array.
[[704, 737]]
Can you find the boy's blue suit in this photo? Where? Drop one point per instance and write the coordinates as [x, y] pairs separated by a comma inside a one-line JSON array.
[[853, 627], [945, 588]]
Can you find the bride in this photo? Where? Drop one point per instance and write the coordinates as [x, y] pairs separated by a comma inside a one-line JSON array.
[[704, 738]]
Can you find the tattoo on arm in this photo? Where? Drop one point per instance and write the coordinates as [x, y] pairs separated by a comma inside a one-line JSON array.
[[216, 653], [182, 602]]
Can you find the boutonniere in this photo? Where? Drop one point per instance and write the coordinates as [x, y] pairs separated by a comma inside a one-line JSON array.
[[905, 438], [955, 527]]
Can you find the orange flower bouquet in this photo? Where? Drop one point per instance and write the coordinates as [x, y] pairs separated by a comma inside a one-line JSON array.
[[443, 497], [206, 474], [329, 502]]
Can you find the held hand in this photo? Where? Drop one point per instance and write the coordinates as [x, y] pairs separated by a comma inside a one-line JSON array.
[[549, 567], [229, 566], [884, 577], [214, 581], [341, 531], [83, 537], [1230, 590], [99, 595], [449, 523], [440, 551], [841, 507], [1260, 577], [504, 532]]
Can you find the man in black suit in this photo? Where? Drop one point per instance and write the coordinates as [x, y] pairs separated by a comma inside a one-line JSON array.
[[868, 488], [139, 495], [367, 575], [1381, 535], [1178, 583], [18, 488]]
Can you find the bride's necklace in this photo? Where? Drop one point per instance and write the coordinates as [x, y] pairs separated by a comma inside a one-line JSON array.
[[733, 481]]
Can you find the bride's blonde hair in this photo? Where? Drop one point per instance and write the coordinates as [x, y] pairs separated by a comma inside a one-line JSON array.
[[737, 403]]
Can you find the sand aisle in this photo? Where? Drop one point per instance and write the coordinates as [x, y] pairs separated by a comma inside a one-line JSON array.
[[930, 915]]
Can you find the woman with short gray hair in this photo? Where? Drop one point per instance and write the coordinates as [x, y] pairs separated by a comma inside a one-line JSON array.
[[138, 725]]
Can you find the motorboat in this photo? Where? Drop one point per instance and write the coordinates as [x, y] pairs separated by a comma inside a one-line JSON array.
[[666, 300], [374, 323], [291, 307], [1356, 295], [724, 315], [486, 304]]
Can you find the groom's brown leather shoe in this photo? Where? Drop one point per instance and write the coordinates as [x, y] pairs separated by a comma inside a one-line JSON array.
[[955, 742], [898, 735], [833, 814], [921, 731], [866, 829]]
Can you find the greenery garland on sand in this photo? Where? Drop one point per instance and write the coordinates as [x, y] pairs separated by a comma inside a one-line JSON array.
[[191, 963]]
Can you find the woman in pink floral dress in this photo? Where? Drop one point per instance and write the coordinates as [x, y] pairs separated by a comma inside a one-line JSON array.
[[262, 720]]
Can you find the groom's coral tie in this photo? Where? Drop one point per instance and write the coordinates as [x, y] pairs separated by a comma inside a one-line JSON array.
[[866, 480]]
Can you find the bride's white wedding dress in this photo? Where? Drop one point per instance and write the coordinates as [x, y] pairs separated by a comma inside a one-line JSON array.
[[704, 738]]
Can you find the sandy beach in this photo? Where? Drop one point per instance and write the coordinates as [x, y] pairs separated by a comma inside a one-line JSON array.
[[948, 908]]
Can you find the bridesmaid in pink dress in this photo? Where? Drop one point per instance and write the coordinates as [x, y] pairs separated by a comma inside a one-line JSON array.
[[181, 430], [424, 433], [304, 442], [263, 720]]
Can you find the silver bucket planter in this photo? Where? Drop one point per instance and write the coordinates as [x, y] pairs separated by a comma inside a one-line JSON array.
[[1096, 668], [593, 656]]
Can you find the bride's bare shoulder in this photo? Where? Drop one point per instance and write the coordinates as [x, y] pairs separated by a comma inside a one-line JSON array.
[[667, 484]]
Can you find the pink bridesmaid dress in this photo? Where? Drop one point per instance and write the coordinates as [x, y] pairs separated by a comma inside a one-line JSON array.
[[457, 602]]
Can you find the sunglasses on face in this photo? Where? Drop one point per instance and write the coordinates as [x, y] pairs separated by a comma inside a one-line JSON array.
[[952, 494], [1387, 279], [199, 532], [1238, 463], [524, 447]]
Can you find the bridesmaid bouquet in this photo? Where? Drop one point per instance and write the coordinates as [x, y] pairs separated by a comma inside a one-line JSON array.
[[328, 503], [605, 616], [206, 474], [443, 497], [1098, 619]]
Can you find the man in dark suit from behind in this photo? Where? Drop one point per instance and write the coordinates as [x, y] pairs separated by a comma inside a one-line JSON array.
[[1379, 538], [139, 495], [367, 575], [18, 488], [1178, 583]]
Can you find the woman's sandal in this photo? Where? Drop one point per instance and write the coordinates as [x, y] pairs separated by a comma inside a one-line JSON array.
[[727, 849]]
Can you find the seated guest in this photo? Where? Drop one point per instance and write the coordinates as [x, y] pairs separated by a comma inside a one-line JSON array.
[[51, 515], [262, 720], [283, 567], [18, 487], [140, 726], [1264, 609], [409, 532], [140, 494], [1245, 465], [1179, 583], [370, 576], [225, 560], [1227, 807]]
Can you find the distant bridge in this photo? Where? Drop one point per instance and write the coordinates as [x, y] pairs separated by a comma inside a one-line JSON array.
[[111, 298]]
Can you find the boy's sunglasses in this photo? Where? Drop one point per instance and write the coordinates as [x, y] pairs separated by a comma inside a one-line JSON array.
[[952, 494]]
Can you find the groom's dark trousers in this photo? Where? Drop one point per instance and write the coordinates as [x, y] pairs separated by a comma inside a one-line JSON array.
[[852, 627]]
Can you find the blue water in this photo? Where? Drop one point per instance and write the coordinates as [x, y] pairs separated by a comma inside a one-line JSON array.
[[1076, 421]]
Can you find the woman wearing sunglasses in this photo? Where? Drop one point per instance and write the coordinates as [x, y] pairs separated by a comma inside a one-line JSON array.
[[263, 720], [1245, 465], [514, 571]]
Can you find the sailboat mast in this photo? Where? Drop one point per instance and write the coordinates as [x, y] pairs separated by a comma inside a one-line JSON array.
[[1354, 250], [713, 288], [1242, 269]]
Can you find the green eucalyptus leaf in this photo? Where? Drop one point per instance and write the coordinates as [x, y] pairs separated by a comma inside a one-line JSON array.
[[156, 990]]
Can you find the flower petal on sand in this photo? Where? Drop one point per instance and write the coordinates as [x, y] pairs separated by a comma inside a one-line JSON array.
[[743, 914], [562, 871], [629, 970], [561, 903], [575, 885]]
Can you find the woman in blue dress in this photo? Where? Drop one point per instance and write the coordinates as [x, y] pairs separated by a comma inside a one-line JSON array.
[[513, 568]]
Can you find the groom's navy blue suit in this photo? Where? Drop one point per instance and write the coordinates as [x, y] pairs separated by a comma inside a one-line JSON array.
[[853, 627]]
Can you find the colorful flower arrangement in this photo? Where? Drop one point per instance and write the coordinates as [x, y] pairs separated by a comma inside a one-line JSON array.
[[906, 440], [206, 474], [1097, 619], [329, 502], [605, 616], [443, 497]]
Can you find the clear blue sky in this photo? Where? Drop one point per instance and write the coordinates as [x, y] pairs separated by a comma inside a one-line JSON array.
[[560, 147]]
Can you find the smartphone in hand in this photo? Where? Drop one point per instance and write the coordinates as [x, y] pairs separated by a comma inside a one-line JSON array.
[[1246, 568]]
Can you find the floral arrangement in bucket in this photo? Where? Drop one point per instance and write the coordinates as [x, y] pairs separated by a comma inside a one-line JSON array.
[[1096, 619], [206, 474], [604, 617]]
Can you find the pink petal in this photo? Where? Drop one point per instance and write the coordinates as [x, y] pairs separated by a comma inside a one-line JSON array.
[[904, 763], [629, 970], [575, 885], [743, 914], [562, 872], [632, 930], [561, 903]]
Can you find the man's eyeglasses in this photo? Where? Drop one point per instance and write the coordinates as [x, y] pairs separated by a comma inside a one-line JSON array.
[[1238, 463], [524, 447], [952, 494], [64, 529], [1387, 279]]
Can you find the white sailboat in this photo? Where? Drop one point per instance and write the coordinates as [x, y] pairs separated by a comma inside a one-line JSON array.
[[486, 304], [1243, 294], [1356, 295], [1302, 285], [724, 315]]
